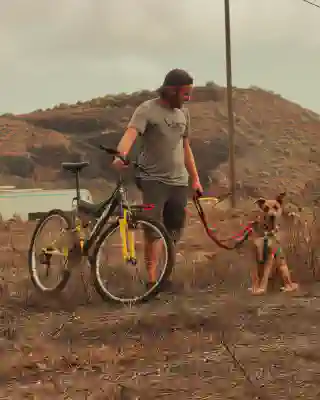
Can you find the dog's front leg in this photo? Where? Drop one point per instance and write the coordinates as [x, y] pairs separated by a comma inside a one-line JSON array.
[[255, 274], [289, 286], [266, 275]]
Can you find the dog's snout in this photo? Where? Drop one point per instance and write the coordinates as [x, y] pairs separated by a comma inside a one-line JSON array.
[[269, 221], [272, 219]]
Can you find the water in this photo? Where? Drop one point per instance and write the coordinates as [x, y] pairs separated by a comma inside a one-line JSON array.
[[23, 202]]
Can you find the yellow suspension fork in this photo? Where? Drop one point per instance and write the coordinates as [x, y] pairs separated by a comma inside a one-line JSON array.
[[131, 243], [127, 237]]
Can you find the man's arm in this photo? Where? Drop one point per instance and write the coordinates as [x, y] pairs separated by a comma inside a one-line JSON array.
[[190, 162], [188, 154], [137, 125], [127, 141]]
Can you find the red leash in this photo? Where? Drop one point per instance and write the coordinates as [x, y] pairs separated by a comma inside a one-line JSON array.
[[239, 237]]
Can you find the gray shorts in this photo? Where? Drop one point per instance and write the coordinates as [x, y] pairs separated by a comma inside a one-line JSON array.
[[169, 204]]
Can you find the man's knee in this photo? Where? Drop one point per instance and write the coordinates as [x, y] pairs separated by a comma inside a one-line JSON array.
[[154, 214]]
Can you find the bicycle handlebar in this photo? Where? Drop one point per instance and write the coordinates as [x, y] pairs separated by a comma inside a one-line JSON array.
[[115, 153], [126, 161]]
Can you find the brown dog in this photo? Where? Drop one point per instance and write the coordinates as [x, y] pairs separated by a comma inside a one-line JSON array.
[[269, 254]]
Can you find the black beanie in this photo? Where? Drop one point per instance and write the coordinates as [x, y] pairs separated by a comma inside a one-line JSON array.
[[177, 77]]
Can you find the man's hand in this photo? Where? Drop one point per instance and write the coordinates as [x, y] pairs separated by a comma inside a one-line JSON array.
[[118, 164], [196, 185]]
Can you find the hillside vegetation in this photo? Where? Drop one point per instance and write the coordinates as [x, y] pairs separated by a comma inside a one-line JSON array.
[[277, 141]]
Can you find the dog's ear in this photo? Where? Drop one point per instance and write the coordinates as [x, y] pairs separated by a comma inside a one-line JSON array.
[[260, 202], [280, 197]]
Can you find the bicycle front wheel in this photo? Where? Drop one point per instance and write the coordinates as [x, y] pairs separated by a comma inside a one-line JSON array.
[[129, 281]]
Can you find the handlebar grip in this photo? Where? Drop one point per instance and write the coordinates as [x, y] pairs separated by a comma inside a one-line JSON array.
[[115, 153]]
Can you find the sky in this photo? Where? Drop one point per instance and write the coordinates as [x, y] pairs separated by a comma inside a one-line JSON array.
[[62, 51]]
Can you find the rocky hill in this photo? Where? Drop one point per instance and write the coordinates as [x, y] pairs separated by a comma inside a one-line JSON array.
[[276, 141]]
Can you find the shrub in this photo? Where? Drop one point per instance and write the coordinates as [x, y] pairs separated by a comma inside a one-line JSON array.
[[21, 166], [52, 156]]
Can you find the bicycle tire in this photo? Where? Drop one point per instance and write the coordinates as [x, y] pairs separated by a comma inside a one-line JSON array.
[[151, 293], [32, 270]]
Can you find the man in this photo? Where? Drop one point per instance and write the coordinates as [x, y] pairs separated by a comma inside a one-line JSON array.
[[166, 157]]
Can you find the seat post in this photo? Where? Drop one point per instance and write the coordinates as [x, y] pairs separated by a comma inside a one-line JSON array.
[[77, 185]]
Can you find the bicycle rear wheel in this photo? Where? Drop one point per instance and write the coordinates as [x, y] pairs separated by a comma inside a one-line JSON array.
[[125, 282], [46, 256]]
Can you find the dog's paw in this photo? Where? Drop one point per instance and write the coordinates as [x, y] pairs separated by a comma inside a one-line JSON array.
[[257, 291], [293, 214], [290, 288]]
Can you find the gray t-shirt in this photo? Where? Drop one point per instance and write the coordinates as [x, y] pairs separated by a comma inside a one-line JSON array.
[[162, 131]]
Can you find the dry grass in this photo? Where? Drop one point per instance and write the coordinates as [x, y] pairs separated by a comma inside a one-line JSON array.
[[304, 244], [208, 340]]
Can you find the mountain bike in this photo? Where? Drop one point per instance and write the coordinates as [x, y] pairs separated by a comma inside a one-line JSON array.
[[91, 226]]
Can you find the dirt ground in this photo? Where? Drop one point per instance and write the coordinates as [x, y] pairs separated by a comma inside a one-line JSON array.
[[208, 340]]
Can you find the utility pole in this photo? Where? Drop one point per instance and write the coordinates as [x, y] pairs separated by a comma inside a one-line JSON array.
[[232, 176]]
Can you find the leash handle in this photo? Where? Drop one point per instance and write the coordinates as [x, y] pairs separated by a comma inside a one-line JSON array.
[[199, 209]]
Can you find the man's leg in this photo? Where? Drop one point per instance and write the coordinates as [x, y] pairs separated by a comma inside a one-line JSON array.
[[155, 193], [174, 213]]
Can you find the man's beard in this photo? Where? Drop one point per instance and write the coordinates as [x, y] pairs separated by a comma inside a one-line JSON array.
[[174, 101]]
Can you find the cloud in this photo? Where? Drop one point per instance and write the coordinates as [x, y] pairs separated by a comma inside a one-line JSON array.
[[66, 50]]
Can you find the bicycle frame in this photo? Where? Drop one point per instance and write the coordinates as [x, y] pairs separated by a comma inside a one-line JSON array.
[[104, 211]]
